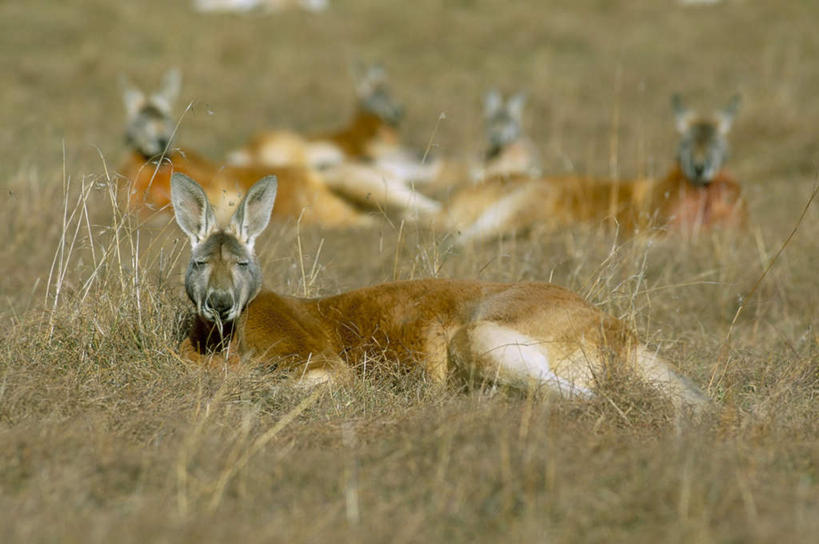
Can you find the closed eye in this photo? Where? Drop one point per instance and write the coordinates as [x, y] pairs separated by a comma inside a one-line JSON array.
[[199, 262], [243, 263]]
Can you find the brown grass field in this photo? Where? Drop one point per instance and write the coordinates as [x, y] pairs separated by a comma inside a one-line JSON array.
[[106, 436]]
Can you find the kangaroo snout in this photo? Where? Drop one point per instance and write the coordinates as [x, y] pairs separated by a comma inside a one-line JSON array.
[[219, 304]]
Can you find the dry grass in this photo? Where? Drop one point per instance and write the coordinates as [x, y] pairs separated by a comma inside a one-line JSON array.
[[105, 434]]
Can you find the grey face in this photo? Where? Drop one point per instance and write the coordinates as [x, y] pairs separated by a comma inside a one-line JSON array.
[[223, 274], [380, 103], [149, 125], [701, 152], [502, 129], [503, 120], [149, 131], [223, 277]]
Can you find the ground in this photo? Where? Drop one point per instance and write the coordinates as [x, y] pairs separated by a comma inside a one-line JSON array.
[[105, 434]]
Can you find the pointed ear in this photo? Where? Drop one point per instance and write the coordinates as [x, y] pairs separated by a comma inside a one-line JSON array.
[[253, 213], [369, 78], [168, 90], [492, 102], [725, 117], [682, 114], [516, 104], [193, 212], [132, 97]]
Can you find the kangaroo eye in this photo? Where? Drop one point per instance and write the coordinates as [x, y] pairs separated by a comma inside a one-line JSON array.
[[199, 262], [243, 263]]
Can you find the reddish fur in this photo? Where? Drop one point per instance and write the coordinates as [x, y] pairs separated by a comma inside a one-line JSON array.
[[361, 139], [632, 205], [410, 322], [301, 192]]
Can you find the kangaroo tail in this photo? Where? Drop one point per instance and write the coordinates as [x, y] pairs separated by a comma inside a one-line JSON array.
[[658, 372]]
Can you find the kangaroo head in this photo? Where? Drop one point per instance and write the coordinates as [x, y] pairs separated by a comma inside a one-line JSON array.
[[503, 119], [703, 145], [149, 124], [374, 95], [223, 275]]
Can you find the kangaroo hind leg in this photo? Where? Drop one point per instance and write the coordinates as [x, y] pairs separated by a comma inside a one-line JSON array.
[[487, 351]]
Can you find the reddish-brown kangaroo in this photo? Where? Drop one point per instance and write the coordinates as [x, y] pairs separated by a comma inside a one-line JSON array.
[[520, 334]]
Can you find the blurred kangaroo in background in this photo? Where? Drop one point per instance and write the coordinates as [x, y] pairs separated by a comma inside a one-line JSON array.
[[363, 162], [695, 195], [149, 132], [521, 334]]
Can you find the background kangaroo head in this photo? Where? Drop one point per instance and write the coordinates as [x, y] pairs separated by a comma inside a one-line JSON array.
[[703, 146], [374, 95], [223, 275], [149, 125], [503, 119]]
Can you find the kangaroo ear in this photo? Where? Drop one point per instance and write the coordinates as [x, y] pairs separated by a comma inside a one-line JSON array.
[[132, 97], [492, 102], [168, 90], [725, 117], [682, 114], [193, 212], [516, 104], [253, 213]]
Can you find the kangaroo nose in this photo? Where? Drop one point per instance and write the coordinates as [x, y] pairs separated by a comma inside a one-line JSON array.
[[699, 169], [220, 303], [162, 143]]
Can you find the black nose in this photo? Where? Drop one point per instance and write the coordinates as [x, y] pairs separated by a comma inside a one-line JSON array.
[[163, 144], [220, 303], [699, 169]]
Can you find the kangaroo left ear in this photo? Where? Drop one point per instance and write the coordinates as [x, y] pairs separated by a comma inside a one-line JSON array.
[[191, 208], [253, 213], [725, 117], [492, 102], [682, 114], [132, 97]]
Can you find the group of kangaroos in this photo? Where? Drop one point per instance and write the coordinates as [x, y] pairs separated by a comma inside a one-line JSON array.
[[523, 334]]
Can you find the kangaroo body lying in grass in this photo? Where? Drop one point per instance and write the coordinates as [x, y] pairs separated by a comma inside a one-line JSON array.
[[151, 163], [364, 161], [696, 195], [520, 334]]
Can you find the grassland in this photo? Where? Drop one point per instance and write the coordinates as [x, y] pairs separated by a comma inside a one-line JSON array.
[[106, 435]]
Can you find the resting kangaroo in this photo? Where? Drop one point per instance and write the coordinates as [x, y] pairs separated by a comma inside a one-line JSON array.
[[520, 334], [149, 131], [695, 195]]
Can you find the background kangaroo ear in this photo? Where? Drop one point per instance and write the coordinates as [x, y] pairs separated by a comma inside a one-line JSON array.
[[191, 208], [168, 90], [132, 97], [515, 105], [253, 213], [492, 102], [682, 114], [368, 78], [725, 116]]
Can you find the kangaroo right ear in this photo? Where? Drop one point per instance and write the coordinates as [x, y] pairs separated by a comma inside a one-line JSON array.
[[492, 102], [253, 213], [515, 105], [682, 114], [169, 90], [132, 97], [193, 212]]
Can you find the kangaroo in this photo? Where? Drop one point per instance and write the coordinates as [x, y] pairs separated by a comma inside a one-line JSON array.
[[510, 153], [148, 169], [519, 334], [350, 160], [694, 196]]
